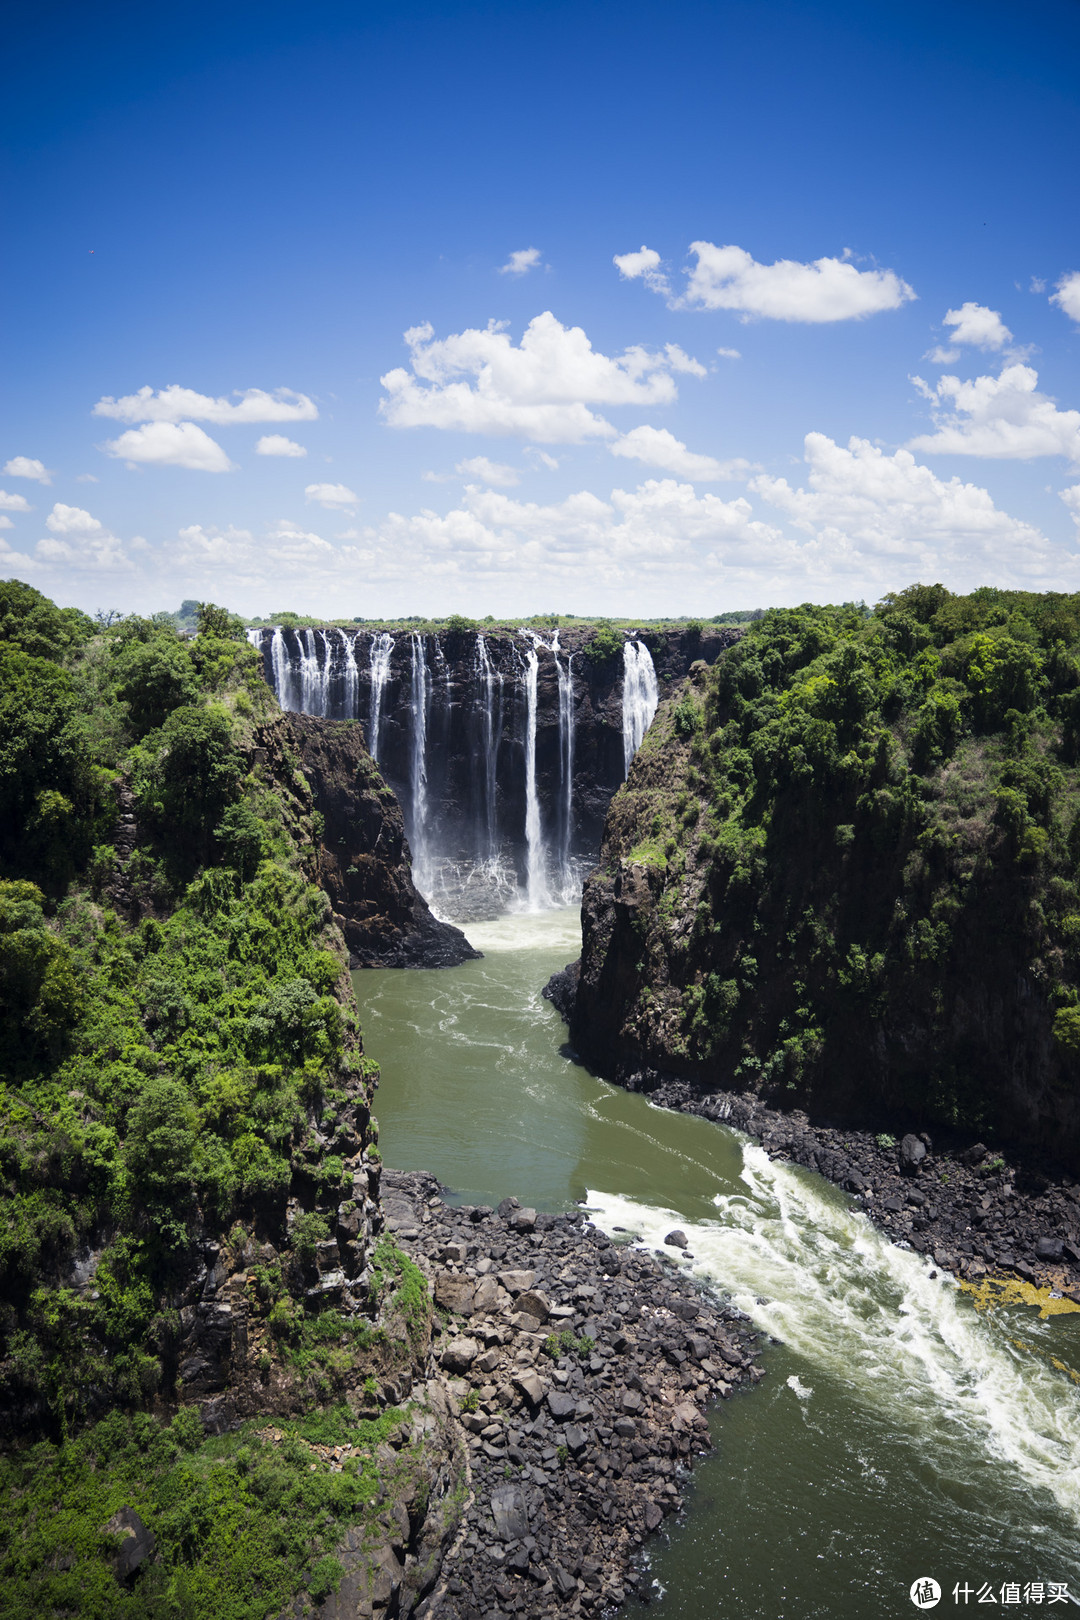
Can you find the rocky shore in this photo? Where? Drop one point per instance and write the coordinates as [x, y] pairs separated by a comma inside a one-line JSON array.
[[581, 1369], [975, 1213]]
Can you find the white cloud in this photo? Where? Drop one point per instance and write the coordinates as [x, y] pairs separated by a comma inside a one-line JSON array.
[[659, 448], [13, 503], [5, 522], [729, 354], [276, 444], [28, 467], [79, 540], [87, 478], [170, 444], [941, 356], [977, 325], [541, 458], [334, 497], [175, 403], [521, 262], [892, 518], [1003, 417], [1071, 497], [644, 265], [1067, 296], [540, 389], [825, 290], [489, 472]]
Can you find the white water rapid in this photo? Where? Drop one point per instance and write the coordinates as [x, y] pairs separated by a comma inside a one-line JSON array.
[[640, 697], [820, 1278]]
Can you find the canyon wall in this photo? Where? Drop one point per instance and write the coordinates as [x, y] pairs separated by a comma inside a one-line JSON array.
[[503, 748]]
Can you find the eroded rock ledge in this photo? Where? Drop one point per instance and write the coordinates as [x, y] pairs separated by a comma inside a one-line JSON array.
[[581, 1371]]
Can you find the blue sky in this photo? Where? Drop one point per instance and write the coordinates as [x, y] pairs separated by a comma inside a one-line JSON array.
[[223, 223]]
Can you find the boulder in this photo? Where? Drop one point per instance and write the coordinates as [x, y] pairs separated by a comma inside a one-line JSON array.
[[561, 1405], [535, 1303], [912, 1153], [1049, 1248], [677, 1239], [524, 1220], [454, 1293], [509, 1511], [516, 1282], [531, 1386], [459, 1355], [136, 1545]]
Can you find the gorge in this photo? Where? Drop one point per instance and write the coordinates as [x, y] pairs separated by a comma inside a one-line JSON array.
[[443, 1388]]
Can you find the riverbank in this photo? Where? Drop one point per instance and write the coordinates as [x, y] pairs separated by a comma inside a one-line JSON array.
[[581, 1369], [975, 1213]]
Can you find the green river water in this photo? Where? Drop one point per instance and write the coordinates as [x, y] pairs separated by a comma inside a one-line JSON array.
[[898, 1433]]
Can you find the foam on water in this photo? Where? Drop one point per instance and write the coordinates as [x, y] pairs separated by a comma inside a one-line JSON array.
[[816, 1274]]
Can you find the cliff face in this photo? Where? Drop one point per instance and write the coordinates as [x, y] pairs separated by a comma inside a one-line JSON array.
[[470, 728], [364, 863], [842, 874]]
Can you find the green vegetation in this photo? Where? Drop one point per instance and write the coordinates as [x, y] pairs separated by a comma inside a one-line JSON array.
[[242, 1521], [161, 1059], [873, 819]]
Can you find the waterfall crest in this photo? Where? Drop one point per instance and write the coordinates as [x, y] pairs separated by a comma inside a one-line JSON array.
[[421, 691], [640, 697]]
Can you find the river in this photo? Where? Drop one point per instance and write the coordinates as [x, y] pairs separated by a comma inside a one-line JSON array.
[[899, 1433]]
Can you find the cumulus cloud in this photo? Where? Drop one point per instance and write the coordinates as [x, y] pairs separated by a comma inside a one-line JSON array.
[[540, 389], [489, 472], [5, 522], [541, 458], [1071, 497], [1004, 417], [644, 265], [13, 503], [659, 448], [170, 444], [28, 467], [893, 518], [975, 324], [276, 444], [334, 497], [730, 278], [79, 540], [1067, 296], [520, 262], [824, 290], [729, 354], [174, 404]]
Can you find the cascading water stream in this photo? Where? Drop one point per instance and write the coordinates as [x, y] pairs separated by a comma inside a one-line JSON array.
[[282, 668], [567, 886], [382, 646], [313, 675], [420, 695], [352, 677], [536, 893], [640, 697], [487, 679]]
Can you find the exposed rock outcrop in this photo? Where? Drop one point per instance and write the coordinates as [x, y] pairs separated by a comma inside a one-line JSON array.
[[364, 863]]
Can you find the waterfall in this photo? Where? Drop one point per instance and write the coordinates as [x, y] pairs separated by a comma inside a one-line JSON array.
[[487, 677], [352, 677], [382, 646], [535, 886], [566, 767], [640, 696], [314, 677], [279, 662], [421, 691]]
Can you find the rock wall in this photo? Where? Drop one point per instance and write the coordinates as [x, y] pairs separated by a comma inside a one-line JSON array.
[[364, 862]]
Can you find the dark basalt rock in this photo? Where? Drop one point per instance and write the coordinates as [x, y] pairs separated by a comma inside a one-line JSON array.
[[561, 989], [364, 863]]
